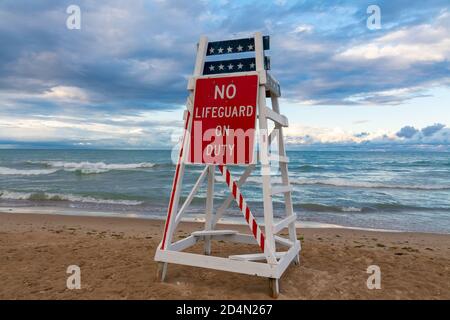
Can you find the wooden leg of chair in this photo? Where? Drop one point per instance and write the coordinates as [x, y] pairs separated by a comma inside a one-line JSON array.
[[297, 260], [207, 247], [161, 271], [274, 287]]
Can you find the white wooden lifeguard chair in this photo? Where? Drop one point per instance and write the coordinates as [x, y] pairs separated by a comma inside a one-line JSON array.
[[275, 252]]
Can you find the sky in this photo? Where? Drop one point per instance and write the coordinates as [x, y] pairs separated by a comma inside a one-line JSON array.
[[120, 80]]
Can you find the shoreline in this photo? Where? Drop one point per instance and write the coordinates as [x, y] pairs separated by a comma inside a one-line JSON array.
[[116, 258], [129, 214]]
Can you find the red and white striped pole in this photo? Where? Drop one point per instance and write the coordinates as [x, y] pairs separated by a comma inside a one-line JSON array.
[[254, 227], [175, 183]]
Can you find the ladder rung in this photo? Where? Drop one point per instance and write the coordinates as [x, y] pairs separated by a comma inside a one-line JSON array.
[[283, 241], [254, 256], [213, 233], [281, 189], [284, 223], [276, 117]]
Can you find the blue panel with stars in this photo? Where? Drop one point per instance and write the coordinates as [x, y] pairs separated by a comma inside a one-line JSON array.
[[235, 65], [235, 46]]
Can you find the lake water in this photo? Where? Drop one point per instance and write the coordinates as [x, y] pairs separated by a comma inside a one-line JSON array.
[[381, 190]]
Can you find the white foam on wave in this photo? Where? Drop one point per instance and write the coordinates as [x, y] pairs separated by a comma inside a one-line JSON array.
[[258, 179], [336, 182], [25, 172], [351, 209], [87, 167], [44, 196], [339, 182]]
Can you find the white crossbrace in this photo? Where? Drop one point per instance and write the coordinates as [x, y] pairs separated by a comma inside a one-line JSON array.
[[213, 233], [254, 256]]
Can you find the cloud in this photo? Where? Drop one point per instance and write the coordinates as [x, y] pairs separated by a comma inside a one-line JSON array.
[[357, 122], [407, 46], [66, 93], [437, 133], [298, 135], [141, 131], [133, 58], [140, 54], [390, 66], [304, 135], [407, 132], [431, 130], [150, 130], [303, 28]]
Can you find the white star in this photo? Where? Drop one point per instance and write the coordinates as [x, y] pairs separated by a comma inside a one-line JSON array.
[[211, 68], [252, 65], [240, 65], [230, 49], [230, 66], [220, 66], [239, 48], [220, 50], [250, 47], [211, 50]]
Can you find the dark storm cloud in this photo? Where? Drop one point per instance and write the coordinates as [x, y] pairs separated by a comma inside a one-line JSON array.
[[322, 50], [430, 130], [434, 134], [137, 55], [407, 132], [132, 57]]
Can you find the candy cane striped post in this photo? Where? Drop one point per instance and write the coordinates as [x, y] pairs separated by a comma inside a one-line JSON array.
[[175, 183], [254, 227]]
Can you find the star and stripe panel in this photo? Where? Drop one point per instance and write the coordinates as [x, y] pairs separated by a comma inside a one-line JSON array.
[[235, 65], [235, 46]]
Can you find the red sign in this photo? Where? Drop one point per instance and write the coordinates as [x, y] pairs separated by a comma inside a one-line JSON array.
[[223, 120]]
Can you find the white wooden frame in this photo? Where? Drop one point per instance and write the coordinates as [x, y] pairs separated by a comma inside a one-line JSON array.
[[276, 261]]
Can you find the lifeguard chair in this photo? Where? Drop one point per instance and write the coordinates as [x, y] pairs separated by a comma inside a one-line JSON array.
[[234, 82]]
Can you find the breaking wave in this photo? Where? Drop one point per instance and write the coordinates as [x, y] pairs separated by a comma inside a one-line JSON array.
[[357, 184], [343, 183], [25, 172], [366, 208], [327, 208], [44, 196], [87, 167]]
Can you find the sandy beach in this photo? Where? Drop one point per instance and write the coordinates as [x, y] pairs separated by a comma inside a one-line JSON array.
[[116, 260]]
